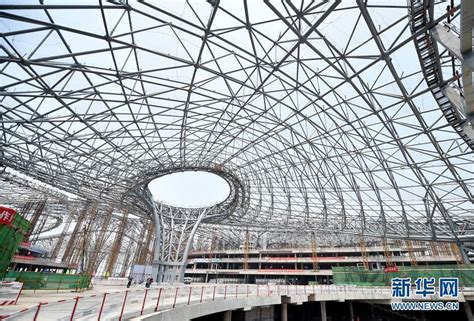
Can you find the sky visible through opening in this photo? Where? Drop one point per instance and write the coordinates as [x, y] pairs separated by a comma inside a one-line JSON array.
[[190, 189]]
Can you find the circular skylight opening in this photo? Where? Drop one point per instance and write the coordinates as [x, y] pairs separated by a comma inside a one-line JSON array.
[[190, 189]]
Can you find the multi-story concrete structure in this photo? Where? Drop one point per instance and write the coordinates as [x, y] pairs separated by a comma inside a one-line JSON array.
[[296, 265]]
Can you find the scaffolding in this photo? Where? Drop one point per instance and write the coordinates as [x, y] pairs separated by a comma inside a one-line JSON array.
[[112, 259], [363, 251], [387, 253], [143, 245], [314, 253], [71, 244], [85, 238], [456, 251], [35, 218], [411, 253], [246, 250], [434, 249], [213, 246], [94, 261], [62, 236]]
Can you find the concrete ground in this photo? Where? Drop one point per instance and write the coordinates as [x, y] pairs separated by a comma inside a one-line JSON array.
[[60, 305], [108, 301], [30, 298]]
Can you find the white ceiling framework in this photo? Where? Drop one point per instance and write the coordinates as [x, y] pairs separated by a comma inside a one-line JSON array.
[[319, 108]]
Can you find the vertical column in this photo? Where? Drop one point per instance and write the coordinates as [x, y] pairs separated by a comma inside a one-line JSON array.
[[351, 311], [284, 311], [227, 316], [324, 316]]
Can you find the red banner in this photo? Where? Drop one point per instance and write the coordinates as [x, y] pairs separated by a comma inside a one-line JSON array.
[[6, 215], [25, 257], [391, 269]]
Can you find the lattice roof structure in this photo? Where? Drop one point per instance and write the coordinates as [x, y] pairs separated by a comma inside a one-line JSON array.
[[320, 109]]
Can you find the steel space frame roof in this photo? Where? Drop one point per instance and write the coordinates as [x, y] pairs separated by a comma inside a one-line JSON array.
[[319, 108]]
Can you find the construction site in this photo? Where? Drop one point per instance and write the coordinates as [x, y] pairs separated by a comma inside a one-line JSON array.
[[236, 160]]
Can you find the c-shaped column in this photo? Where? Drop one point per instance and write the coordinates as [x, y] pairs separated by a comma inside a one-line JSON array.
[[189, 244], [156, 255]]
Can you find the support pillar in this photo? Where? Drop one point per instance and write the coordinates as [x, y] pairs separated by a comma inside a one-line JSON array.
[[324, 316], [173, 242], [189, 244], [284, 312], [155, 267], [227, 316], [351, 311]]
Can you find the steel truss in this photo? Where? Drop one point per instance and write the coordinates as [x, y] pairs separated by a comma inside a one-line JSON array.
[[326, 128]]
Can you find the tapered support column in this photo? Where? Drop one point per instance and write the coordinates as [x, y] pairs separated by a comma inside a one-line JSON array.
[[174, 237]]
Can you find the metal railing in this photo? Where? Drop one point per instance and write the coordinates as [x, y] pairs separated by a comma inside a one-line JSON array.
[[141, 301]]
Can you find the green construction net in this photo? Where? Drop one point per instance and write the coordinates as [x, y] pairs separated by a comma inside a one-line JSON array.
[[10, 237], [359, 276], [49, 281]]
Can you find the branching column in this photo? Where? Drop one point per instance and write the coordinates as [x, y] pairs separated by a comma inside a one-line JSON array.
[[175, 230]]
